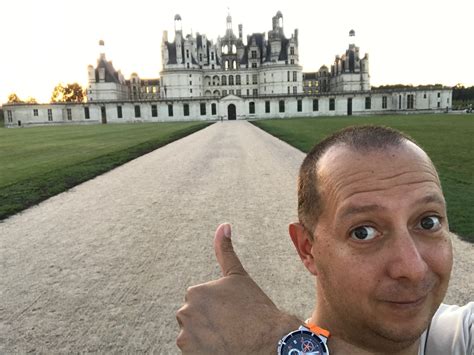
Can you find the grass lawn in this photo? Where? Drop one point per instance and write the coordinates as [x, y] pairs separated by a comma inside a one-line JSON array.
[[448, 139], [37, 163]]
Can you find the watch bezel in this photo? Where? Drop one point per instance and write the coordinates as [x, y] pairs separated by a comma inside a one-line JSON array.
[[319, 339]]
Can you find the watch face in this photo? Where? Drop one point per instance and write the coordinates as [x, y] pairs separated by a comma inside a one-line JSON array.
[[302, 342]]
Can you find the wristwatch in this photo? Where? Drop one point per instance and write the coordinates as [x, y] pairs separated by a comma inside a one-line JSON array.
[[308, 339]]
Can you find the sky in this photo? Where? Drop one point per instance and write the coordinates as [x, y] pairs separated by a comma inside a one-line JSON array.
[[46, 42]]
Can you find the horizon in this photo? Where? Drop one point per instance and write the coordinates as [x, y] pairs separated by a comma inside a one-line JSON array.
[[53, 42]]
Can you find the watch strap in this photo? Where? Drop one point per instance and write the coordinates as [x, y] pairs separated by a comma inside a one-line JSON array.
[[317, 330]]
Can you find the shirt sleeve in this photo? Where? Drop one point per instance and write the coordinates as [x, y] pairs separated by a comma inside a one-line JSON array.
[[451, 331]]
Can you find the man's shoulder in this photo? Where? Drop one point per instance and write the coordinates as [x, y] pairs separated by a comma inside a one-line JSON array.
[[451, 331]]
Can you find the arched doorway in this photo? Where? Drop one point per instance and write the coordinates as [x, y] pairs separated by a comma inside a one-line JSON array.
[[231, 112]]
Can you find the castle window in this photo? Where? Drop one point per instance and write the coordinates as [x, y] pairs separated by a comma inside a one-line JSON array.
[[295, 75], [212, 66], [224, 80], [295, 89], [203, 108], [200, 57], [439, 94], [119, 111], [239, 92], [255, 92], [10, 116], [231, 92], [248, 92], [384, 101], [292, 61], [399, 102], [231, 80], [288, 75], [234, 64], [224, 92], [35, 112], [289, 90], [368, 103], [187, 53], [292, 50], [439, 104], [315, 105], [299, 105], [248, 82], [213, 109], [281, 106], [154, 111], [254, 79], [254, 54], [424, 95], [186, 109], [212, 56], [254, 65], [86, 113], [332, 104], [267, 106], [137, 111], [69, 114], [170, 110], [237, 79], [187, 65], [251, 107], [190, 83], [410, 100]]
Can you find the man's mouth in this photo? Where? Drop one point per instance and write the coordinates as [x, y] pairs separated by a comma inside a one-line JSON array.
[[407, 303]]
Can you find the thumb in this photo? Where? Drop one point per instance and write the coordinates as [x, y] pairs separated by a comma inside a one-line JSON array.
[[226, 257]]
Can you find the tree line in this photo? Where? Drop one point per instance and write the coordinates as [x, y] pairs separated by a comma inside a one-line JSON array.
[[61, 93], [461, 93]]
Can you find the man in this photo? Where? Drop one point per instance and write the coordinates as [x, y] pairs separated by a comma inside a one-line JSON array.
[[373, 230]]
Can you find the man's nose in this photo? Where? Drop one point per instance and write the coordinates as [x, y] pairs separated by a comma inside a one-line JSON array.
[[406, 256]]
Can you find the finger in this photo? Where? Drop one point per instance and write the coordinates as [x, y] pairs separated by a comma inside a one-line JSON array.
[[226, 257]]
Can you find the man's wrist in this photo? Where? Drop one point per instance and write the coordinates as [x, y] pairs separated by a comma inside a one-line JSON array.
[[286, 324]]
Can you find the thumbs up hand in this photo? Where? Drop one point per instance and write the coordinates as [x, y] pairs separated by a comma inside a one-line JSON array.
[[231, 315]]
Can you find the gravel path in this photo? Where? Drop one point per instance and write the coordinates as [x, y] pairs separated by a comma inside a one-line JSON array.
[[104, 266]]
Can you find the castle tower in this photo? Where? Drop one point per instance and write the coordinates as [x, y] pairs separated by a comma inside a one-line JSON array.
[[178, 38], [102, 49]]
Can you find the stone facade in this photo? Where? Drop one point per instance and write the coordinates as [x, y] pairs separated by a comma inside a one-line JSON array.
[[231, 79], [231, 107], [194, 66]]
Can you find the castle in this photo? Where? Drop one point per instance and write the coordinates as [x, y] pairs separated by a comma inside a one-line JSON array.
[[231, 78]]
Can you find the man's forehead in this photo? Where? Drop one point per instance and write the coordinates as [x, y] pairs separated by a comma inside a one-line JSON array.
[[345, 169], [408, 151]]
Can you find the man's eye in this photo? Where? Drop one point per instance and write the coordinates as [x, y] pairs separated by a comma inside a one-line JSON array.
[[430, 223], [363, 233]]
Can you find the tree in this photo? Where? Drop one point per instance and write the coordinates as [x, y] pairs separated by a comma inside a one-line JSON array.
[[14, 99], [31, 100], [68, 93]]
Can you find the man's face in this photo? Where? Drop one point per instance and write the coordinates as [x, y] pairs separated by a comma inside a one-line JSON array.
[[382, 249]]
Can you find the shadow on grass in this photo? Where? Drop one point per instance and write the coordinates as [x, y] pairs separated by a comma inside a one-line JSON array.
[[23, 194]]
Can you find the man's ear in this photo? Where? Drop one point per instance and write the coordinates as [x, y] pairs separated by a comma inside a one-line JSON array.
[[303, 244]]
